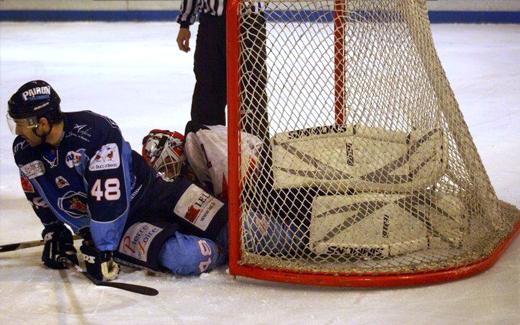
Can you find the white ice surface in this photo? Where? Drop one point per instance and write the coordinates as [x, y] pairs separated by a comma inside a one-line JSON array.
[[134, 73]]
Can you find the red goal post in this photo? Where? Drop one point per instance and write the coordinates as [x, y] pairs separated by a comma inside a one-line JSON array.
[[453, 192]]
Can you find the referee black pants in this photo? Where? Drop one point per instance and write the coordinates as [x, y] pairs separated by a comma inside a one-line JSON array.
[[209, 97]]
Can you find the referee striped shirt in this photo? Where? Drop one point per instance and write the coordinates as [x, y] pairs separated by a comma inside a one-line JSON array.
[[191, 8]]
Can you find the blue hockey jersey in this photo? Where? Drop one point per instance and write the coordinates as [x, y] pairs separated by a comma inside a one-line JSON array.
[[88, 180]]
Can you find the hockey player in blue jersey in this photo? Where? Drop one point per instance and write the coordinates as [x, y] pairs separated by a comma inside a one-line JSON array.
[[76, 169]]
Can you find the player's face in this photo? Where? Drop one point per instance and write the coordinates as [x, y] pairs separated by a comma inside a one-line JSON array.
[[26, 128]]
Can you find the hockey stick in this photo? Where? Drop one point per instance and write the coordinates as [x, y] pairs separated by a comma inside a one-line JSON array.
[[123, 286], [26, 244], [147, 291]]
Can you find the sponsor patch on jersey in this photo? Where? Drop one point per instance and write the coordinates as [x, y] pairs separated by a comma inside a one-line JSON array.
[[61, 182], [106, 158], [38, 202], [137, 240], [33, 169], [73, 158], [74, 204], [26, 185], [197, 207]]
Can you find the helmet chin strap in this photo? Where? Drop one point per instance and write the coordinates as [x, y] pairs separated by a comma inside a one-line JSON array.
[[43, 137]]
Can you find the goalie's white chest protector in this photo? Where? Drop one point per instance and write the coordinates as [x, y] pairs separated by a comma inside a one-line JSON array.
[[206, 151]]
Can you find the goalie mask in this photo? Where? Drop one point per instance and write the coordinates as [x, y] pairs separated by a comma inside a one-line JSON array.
[[164, 151]]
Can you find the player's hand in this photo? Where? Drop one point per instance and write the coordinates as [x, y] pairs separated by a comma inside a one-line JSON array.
[[183, 39], [58, 245], [99, 264]]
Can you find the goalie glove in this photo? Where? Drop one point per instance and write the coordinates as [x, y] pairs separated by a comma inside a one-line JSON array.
[[58, 245], [100, 265]]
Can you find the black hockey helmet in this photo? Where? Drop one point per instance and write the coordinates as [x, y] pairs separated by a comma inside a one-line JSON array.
[[35, 99]]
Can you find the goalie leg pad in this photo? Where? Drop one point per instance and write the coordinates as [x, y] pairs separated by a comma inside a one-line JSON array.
[[359, 157], [366, 226], [377, 225]]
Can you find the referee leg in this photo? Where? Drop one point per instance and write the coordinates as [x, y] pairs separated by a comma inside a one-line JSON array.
[[209, 97]]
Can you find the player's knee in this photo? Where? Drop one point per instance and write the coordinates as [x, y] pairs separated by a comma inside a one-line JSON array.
[[189, 255]]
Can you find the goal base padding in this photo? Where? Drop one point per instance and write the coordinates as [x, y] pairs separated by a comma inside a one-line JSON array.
[[373, 280]]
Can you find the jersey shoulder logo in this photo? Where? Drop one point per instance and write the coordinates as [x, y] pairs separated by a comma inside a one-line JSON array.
[[33, 169], [105, 158], [73, 158]]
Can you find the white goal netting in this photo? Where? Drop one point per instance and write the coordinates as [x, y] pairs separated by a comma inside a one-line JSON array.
[[365, 164]]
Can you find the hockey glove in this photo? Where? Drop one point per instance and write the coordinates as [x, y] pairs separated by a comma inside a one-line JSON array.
[[99, 264], [58, 244]]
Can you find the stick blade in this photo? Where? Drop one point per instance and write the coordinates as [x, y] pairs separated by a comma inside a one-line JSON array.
[[147, 291], [8, 247]]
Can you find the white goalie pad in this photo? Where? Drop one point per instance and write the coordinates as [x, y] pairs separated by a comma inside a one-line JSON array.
[[361, 158], [375, 225]]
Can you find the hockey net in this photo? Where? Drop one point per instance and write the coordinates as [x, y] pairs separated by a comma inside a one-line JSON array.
[[364, 172]]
